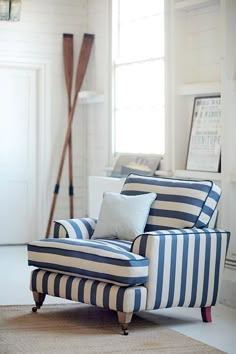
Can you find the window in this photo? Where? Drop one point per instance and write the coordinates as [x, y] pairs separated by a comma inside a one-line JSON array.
[[138, 76]]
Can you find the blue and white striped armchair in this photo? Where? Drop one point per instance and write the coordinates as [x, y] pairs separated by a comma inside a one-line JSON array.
[[177, 261]]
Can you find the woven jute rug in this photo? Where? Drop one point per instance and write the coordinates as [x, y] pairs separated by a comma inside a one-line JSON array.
[[79, 328]]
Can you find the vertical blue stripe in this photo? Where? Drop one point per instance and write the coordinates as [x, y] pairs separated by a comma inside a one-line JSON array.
[[106, 296], [137, 300], [57, 285], [228, 238], [160, 271], [93, 293], [172, 271], [184, 269], [217, 266], [45, 282], [68, 287], [195, 270], [143, 246], [120, 299], [88, 226], [76, 228], [206, 269], [81, 290], [34, 279], [56, 230]]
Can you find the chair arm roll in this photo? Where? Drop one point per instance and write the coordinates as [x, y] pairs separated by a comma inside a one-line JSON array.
[[140, 243], [81, 228]]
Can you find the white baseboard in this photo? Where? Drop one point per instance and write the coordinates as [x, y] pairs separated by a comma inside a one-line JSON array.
[[228, 288]]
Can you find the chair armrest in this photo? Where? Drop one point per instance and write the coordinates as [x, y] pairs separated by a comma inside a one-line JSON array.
[[82, 228], [185, 266]]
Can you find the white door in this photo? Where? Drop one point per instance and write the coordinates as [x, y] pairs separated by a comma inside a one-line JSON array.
[[18, 160]]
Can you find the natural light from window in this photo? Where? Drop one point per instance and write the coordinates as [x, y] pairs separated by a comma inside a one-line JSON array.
[[139, 76]]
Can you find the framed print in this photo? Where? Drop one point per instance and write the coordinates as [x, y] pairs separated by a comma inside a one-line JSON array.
[[204, 148], [4, 9], [15, 10], [10, 10]]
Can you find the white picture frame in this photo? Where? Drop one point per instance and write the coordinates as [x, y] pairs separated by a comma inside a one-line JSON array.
[[204, 148]]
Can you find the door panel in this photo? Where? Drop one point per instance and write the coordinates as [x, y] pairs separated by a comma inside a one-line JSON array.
[[18, 154]]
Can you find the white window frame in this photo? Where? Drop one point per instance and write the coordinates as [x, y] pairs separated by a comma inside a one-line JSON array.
[[112, 108]]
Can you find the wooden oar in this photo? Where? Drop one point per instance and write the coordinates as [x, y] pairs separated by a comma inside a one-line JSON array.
[[68, 69], [81, 70]]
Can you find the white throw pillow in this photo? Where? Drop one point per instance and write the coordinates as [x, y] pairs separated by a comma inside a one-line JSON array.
[[123, 216]]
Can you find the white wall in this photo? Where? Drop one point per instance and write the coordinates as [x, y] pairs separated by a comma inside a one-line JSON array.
[[99, 122], [37, 38]]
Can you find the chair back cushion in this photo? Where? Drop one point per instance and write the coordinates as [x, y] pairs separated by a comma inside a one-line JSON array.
[[179, 203]]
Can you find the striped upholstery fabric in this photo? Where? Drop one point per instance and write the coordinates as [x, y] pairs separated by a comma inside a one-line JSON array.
[[179, 203], [185, 266], [82, 228], [209, 207], [93, 259], [89, 291]]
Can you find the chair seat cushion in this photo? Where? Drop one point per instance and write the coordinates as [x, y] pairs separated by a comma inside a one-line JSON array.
[[105, 260]]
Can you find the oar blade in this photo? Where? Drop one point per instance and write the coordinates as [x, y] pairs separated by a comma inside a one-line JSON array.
[[68, 54], [83, 60]]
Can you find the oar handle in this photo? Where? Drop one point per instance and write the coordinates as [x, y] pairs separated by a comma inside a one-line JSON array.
[[68, 54]]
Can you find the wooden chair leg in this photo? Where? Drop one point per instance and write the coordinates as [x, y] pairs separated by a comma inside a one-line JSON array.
[[39, 299], [206, 314], [124, 319]]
